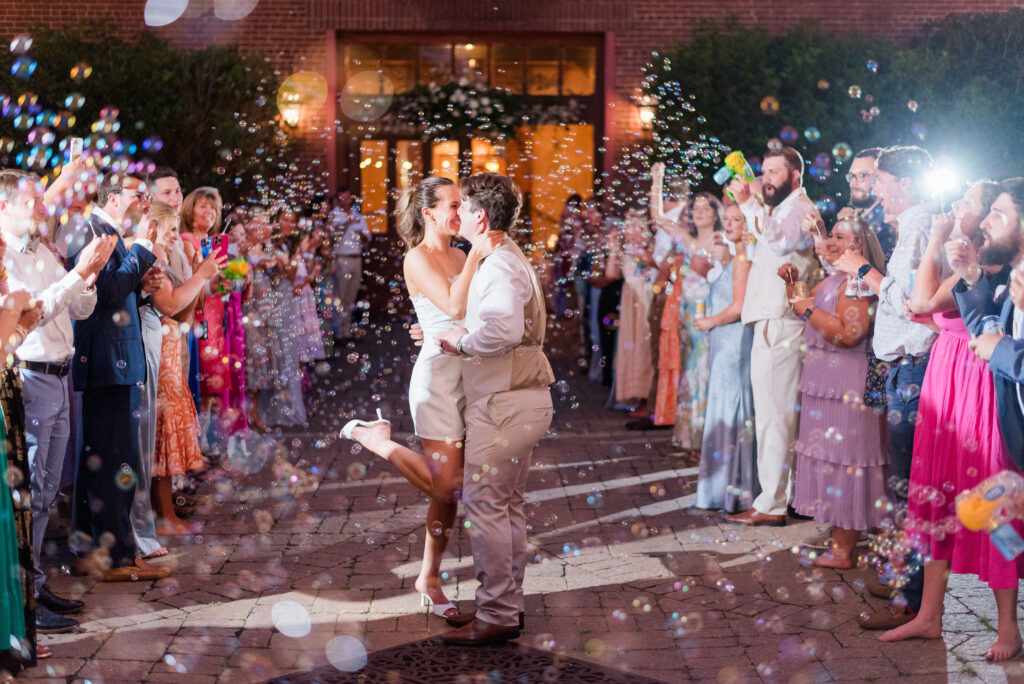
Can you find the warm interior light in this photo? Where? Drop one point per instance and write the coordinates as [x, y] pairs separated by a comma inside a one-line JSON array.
[[290, 114]]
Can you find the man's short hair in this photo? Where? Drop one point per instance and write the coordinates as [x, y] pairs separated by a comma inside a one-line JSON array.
[[112, 184], [793, 159], [497, 195], [163, 172], [868, 153], [1014, 187], [10, 182], [906, 161]]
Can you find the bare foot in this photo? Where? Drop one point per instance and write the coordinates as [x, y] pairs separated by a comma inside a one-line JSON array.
[[920, 627], [834, 560], [173, 528], [373, 437], [162, 551], [1005, 646], [432, 588]]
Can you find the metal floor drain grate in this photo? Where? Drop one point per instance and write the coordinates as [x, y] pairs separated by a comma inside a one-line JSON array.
[[432, 661]]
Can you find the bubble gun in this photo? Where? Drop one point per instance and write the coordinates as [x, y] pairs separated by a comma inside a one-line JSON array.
[[736, 166], [235, 271], [990, 506]]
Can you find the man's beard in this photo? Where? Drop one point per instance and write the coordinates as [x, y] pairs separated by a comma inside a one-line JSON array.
[[863, 202], [1000, 254], [781, 193]]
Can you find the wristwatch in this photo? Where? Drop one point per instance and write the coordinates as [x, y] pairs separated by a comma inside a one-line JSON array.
[[864, 270], [807, 313], [458, 345]]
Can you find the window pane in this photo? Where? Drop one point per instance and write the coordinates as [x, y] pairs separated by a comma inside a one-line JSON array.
[[400, 66], [408, 163], [373, 183], [579, 66], [542, 71], [444, 159], [435, 64], [361, 58], [507, 67], [471, 63], [488, 156]]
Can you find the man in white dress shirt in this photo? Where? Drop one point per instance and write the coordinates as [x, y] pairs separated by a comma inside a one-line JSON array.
[[775, 218], [44, 358], [506, 378], [351, 235]]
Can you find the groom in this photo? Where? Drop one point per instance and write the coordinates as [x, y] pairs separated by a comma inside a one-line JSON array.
[[508, 407]]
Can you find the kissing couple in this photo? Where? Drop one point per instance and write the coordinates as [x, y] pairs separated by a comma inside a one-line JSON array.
[[479, 391]]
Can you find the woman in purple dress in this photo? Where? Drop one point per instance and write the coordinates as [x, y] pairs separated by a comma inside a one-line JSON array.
[[842, 452]]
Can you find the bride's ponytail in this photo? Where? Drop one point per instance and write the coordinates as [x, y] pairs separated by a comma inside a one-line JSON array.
[[409, 212]]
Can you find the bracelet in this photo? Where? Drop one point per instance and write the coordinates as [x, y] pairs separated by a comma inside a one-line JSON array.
[[458, 345]]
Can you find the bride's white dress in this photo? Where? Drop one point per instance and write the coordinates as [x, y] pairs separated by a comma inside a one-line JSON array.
[[436, 398]]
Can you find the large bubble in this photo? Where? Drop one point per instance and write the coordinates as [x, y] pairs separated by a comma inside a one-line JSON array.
[[291, 619], [346, 653], [163, 12], [233, 10], [367, 95]]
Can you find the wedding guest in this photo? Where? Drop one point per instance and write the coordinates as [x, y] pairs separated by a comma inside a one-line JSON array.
[[44, 357], [775, 219], [900, 339], [285, 406], [565, 252], [842, 456], [629, 260], [964, 447], [863, 202], [351, 238], [728, 460], [108, 364]]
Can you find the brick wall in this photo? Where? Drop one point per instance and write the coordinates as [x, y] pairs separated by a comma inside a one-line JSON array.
[[294, 33]]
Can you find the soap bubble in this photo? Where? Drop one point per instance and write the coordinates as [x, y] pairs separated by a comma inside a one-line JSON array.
[[21, 44], [367, 95], [841, 152], [291, 619], [912, 105], [81, 71], [23, 67], [74, 101], [855, 92], [774, 144], [346, 653], [919, 130], [812, 134], [789, 135], [770, 105], [233, 10], [872, 66], [822, 159], [823, 84], [163, 12]]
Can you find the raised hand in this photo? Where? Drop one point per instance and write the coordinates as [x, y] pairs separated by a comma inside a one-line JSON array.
[[153, 280], [962, 256], [487, 242], [789, 273], [850, 261], [740, 189], [213, 264], [30, 317], [942, 226], [94, 256]]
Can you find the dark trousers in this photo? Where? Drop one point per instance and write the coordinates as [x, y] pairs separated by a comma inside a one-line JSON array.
[[903, 391], [654, 321], [105, 471]]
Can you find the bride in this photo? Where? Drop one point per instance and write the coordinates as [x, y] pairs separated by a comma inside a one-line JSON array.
[[437, 276]]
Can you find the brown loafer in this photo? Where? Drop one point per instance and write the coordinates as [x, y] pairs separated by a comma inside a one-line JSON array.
[[889, 617], [754, 518], [460, 619], [479, 633]]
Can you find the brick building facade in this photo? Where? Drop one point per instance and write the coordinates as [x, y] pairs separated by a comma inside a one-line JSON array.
[[310, 35]]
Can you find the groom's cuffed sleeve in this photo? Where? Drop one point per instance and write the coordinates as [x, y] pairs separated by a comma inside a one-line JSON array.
[[503, 288]]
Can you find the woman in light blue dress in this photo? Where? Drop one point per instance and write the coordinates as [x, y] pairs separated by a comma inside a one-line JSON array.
[[728, 458]]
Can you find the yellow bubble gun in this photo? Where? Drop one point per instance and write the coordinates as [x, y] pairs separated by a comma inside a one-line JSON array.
[[736, 166], [235, 271], [990, 506]]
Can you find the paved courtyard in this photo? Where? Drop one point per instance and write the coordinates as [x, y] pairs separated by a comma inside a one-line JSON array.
[[319, 541]]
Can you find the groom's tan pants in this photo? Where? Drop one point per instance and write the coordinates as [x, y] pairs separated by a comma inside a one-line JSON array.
[[501, 431]]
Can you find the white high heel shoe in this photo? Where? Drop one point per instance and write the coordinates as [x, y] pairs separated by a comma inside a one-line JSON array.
[[443, 610], [346, 432]]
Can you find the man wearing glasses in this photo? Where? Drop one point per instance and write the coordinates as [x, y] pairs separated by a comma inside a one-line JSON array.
[[109, 368], [863, 203]]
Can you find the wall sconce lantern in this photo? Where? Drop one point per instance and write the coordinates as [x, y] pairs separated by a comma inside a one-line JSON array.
[[646, 106], [302, 92], [291, 110]]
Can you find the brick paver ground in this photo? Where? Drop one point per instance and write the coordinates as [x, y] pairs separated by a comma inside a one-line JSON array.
[[621, 573]]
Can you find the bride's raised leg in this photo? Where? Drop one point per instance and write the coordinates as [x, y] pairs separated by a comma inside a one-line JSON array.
[[445, 460], [412, 465]]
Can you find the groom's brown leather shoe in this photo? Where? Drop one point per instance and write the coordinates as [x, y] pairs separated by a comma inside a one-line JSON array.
[[755, 517], [478, 633], [460, 619]]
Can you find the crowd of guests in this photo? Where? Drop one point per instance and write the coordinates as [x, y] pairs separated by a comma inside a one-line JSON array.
[[861, 374], [143, 331]]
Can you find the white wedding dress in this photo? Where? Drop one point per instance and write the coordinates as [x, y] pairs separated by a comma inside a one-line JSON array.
[[436, 398]]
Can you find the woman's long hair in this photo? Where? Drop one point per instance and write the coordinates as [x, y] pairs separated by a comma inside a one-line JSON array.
[[715, 203], [409, 213], [871, 248], [188, 208]]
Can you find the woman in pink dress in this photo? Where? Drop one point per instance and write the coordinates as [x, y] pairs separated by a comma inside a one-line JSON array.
[[200, 218], [957, 443]]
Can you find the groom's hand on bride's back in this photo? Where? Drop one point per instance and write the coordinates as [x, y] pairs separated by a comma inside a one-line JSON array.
[[416, 333]]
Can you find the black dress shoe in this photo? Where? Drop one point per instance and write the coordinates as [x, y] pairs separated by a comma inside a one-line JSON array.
[[645, 424], [61, 606], [48, 622]]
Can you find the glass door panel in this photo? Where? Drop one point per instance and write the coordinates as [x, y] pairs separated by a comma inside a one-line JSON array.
[[562, 163], [373, 174], [488, 156], [408, 163], [444, 159]]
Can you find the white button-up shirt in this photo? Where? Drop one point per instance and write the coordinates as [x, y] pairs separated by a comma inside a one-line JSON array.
[[352, 226], [504, 288], [33, 267], [896, 335]]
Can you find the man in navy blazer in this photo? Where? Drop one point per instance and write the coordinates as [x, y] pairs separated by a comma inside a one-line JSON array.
[[976, 299], [108, 368]]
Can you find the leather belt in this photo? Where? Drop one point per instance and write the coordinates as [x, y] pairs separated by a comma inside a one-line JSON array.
[[58, 369], [910, 360]]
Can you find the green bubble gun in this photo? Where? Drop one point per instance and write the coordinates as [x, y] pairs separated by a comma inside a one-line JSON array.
[[736, 166]]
